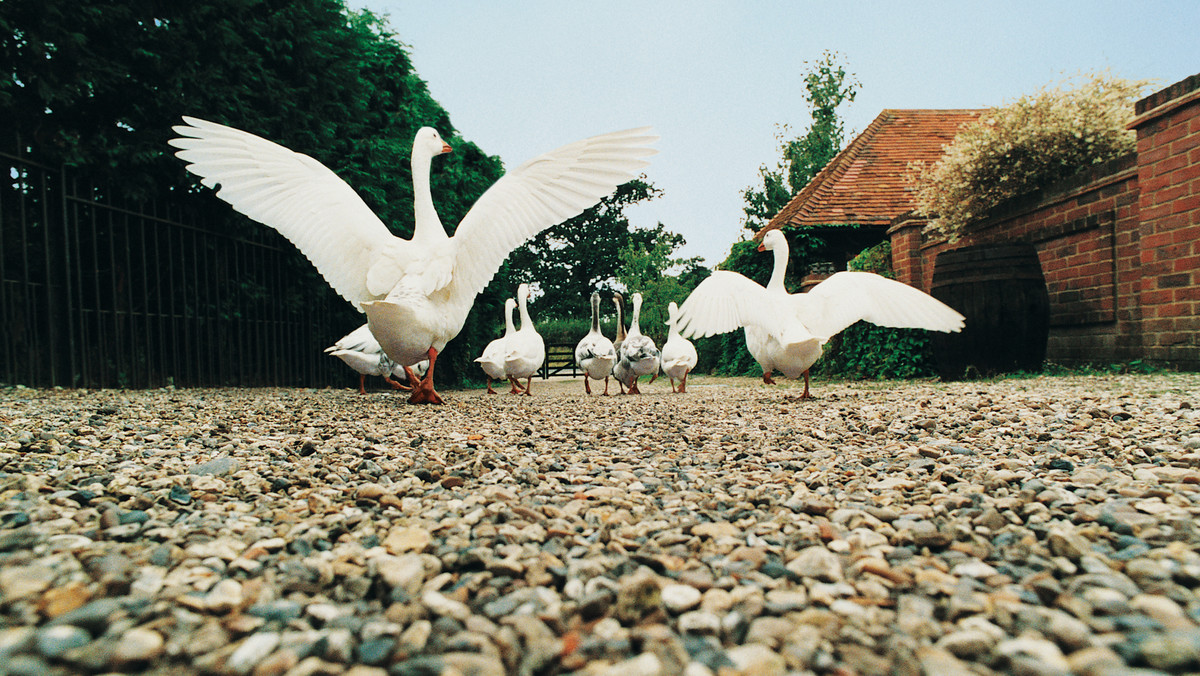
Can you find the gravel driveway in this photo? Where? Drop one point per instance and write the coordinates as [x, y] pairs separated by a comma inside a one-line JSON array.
[[1027, 526]]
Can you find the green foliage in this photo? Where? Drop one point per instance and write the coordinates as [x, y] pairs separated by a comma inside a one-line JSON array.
[[866, 351], [1027, 145], [571, 329], [96, 85], [644, 268], [569, 261], [803, 158]]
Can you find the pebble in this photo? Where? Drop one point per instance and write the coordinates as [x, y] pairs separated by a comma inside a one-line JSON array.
[[251, 651], [680, 597], [55, 641], [138, 645], [1033, 526]]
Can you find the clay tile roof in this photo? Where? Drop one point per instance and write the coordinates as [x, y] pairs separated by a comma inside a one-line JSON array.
[[865, 183]]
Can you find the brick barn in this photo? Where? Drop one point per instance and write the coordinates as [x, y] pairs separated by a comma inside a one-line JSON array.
[[1119, 243]]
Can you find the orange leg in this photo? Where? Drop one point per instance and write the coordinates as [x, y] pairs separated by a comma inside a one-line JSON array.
[[489, 386], [362, 378], [516, 386], [528, 382], [683, 383], [422, 389], [633, 387], [653, 378], [395, 384], [586, 386], [806, 395], [606, 386], [767, 378]]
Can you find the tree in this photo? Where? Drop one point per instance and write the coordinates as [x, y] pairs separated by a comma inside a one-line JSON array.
[[645, 268], [97, 85], [576, 257], [803, 157]]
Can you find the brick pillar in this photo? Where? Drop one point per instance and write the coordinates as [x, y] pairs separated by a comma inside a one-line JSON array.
[[907, 262], [1168, 130]]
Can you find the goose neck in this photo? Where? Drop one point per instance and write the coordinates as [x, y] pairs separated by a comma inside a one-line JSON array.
[[509, 328], [428, 226], [779, 269], [522, 304]]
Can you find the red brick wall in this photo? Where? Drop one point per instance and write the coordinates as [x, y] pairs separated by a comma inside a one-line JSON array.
[[1168, 128], [1119, 244]]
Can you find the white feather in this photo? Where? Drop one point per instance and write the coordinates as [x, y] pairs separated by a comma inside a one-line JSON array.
[[417, 292]]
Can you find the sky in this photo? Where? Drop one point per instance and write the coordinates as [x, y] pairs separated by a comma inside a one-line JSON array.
[[717, 79]]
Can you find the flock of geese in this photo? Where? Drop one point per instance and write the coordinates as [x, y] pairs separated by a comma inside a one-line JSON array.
[[417, 292], [520, 353]]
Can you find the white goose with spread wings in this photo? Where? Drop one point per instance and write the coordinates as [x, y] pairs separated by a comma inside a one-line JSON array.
[[785, 331], [416, 292]]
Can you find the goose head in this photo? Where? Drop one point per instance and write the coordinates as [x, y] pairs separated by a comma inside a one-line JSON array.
[[595, 312], [619, 301], [672, 314], [429, 143], [772, 240], [775, 241], [523, 306], [510, 304]]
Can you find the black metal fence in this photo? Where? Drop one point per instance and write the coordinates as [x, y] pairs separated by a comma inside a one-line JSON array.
[[98, 293]]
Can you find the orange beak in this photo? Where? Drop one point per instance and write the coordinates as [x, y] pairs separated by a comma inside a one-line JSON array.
[[762, 247], [446, 148]]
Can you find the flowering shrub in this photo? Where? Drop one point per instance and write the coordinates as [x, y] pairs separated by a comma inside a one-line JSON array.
[[1026, 145]]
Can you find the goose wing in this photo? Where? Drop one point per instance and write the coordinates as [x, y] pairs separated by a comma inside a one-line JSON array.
[[358, 340], [296, 195], [726, 301], [542, 192], [847, 297]]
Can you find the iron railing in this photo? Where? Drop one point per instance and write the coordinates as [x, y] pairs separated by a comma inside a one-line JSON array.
[[95, 292]]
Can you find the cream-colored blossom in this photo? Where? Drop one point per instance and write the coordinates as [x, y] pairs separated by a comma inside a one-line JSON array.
[[1026, 145]]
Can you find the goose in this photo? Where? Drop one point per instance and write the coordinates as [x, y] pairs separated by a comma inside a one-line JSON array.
[[595, 354], [787, 332], [619, 302], [415, 292], [361, 352], [526, 349], [492, 359], [638, 355], [678, 354]]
